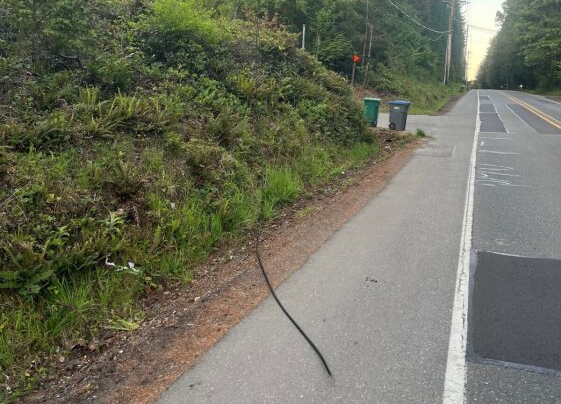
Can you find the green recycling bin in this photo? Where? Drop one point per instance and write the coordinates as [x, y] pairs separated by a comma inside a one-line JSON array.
[[371, 107]]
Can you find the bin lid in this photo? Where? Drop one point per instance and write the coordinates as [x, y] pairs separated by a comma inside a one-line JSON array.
[[373, 99], [399, 102]]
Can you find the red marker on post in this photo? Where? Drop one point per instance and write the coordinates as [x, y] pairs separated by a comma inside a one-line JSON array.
[[356, 58]]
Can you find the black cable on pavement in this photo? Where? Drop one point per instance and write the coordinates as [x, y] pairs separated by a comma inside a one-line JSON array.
[[258, 235], [287, 314]]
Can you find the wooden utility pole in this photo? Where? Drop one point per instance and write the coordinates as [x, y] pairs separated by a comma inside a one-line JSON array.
[[466, 58], [368, 60], [449, 46], [365, 33]]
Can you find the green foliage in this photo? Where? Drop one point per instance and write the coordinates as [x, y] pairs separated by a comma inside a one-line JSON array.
[[527, 50], [180, 33], [360, 153], [113, 73], [427, 97], [73, 309], [280, 186], [133, 145], [335, 29]]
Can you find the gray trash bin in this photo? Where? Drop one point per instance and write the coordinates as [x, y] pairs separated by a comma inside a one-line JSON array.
[[398, 114]]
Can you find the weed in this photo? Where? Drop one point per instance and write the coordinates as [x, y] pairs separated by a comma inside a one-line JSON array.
[[125, 324], [89, 96], [420, 133], [305, 212], [315, 165], [125, 180], [280, 186], [361, 152]]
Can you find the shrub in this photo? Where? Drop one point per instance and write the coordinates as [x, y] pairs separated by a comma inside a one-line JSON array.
[[112, 73], [180, 33]]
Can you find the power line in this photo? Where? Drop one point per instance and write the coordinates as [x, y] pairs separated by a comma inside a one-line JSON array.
[[437, 38], [415, 21], [488, 30]]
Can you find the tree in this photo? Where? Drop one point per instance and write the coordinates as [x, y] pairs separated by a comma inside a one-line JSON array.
[[527, 49]]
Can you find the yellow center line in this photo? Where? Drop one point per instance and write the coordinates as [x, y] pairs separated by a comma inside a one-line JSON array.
[[540, 114]]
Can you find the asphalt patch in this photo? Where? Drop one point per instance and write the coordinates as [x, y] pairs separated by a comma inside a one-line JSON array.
[[515, 314], [491, 123], [487, 108], [538, 124], [484, 98]]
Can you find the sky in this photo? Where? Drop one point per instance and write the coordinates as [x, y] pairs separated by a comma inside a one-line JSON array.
[[482, 14]]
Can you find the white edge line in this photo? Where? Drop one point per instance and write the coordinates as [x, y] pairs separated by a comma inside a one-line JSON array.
[[518, 116], [455, 377]]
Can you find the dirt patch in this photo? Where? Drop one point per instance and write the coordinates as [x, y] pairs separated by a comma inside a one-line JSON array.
[[360, 93], [182, 324]]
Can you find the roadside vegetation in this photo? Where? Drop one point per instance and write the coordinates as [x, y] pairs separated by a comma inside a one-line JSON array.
[[398, 58], [136, 137], [527, 50], [428, 98]]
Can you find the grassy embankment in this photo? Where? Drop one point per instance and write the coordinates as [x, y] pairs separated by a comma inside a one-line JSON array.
[[123, 174]]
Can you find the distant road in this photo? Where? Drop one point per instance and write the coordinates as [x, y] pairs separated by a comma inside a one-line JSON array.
[[463, 246]]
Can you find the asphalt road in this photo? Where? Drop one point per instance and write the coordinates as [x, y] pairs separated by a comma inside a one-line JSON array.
[[379, 297], [515, 320]]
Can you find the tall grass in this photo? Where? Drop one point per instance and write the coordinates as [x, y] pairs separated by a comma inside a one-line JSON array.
[[280, 186]]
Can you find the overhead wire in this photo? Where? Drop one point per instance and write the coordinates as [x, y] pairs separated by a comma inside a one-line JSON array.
[[437, 38], [415, 21], [483, 29]]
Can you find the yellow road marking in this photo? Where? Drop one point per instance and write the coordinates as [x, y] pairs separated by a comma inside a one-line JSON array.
[[549, 119]]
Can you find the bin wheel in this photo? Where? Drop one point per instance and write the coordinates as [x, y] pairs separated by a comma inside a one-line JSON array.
[[392, 126]]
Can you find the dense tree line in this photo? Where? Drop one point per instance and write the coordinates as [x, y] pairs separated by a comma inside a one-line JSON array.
[[527, 50], [72, 33], [338, 28]]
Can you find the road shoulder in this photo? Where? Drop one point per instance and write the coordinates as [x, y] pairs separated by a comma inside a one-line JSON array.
[[183, 324]]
